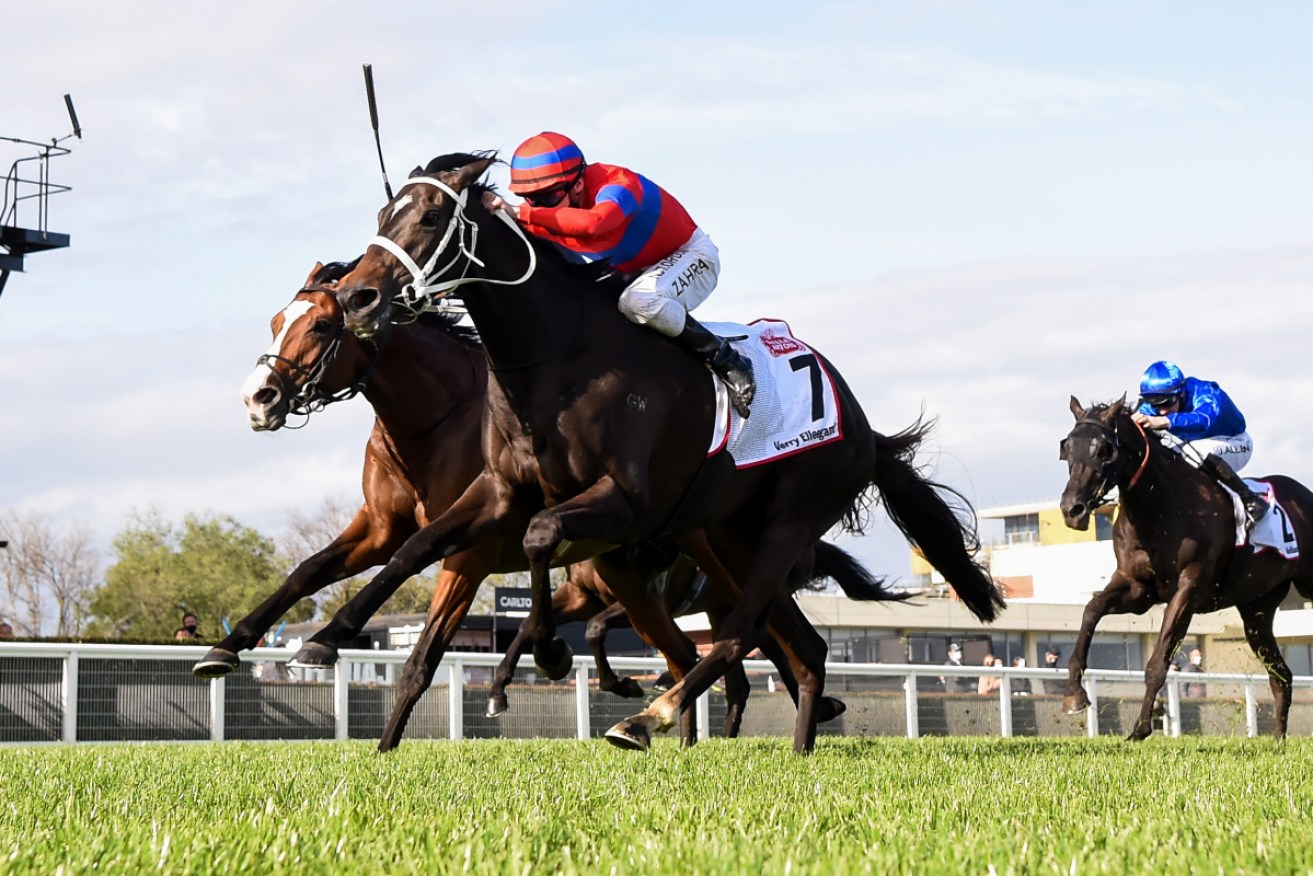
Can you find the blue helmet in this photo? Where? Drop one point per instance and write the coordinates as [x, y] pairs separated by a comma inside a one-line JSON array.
[[1162, 378]]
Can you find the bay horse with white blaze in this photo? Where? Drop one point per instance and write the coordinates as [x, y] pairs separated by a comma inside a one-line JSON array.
[[426, 385], [1175, 544], [597, 430]]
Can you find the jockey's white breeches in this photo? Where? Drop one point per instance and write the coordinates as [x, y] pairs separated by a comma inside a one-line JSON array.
[[661, 295], [1234, 449]]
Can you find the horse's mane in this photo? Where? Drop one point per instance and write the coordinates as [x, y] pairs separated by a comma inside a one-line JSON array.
[[1098, 408], [597, 273]]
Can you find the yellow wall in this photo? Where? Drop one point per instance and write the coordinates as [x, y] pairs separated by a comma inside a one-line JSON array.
[[1053, 531]]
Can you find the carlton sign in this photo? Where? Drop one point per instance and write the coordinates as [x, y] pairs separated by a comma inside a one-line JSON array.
[[512, 600]]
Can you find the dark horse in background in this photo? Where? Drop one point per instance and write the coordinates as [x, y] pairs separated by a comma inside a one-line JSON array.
[[596, 437], [1175, 544], [427, 386]]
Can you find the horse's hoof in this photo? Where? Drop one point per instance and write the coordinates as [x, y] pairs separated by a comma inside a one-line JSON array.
[[627, 688], [1139, 734], [496, 706], [555, 660], [829, 709], [314, 655], [216, 663], [629, 734], [665, 681], [1074, 704]]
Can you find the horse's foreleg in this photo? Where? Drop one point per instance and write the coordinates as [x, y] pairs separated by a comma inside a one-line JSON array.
[[1122, 595], [1257, 617], [1176, 621], [474, 515], [599, 513], [364, 543], [452, 597]]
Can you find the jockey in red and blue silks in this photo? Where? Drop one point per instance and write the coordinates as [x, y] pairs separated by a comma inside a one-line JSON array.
[[606, 212], [1205, 422]]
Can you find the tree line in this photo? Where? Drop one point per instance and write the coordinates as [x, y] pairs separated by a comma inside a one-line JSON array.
[[55, 581]]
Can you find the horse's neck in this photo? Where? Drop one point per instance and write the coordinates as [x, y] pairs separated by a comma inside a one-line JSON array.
[[528, 322], [421, 376], [1163, 478]]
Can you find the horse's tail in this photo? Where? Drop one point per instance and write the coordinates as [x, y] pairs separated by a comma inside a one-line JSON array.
[[935, 519], [855, 580]]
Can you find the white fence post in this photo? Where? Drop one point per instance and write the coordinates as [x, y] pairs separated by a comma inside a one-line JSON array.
[[1251, 712], [68, 695], [909, 706], [1005, 706], [456, 699], [1173, 708], [216, 709], [341, 687], [1092, 711], [583, 727], [703, 707]]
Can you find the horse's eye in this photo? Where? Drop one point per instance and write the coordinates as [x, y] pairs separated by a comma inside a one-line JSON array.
[[1062, 450], [321, 327], [430, 218], [1104, 452]]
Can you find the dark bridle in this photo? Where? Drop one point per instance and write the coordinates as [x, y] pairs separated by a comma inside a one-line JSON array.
[[1097, 446], [312, 397]]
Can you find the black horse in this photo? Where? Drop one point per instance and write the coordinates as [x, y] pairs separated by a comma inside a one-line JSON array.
[[599, 430], [1175, 543], [427, 386]]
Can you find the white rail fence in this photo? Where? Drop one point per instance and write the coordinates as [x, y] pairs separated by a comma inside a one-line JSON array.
[[85, 693]]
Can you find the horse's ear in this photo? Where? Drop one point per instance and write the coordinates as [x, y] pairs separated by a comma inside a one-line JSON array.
[[462, 177], [1076, 410], [418, 171], [314, 272], [1116, 407]]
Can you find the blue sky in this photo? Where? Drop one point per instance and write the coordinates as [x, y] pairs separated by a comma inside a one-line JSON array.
[[975, 209]]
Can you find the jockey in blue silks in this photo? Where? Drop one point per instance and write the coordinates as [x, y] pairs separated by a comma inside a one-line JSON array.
[[1205, 422]]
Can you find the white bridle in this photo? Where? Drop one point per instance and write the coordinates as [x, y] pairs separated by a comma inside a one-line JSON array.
[[420, 294]]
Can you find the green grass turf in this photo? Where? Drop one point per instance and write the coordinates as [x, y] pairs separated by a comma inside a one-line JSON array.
[[749, 806]]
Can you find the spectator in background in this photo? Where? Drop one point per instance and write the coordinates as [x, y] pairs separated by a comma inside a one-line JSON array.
[[955, 683], [1053, 685], [989, 684], [188, 629], [1196, 664], [6, 631], [1021, 686]]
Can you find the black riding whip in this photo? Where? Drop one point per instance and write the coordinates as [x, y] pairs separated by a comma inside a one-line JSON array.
[[373, 119]]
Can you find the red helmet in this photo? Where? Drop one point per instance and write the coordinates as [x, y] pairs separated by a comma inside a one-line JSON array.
[[543, 161]]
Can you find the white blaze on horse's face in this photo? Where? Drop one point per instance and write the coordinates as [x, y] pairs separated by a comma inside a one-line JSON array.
[[268, 412], [400, 204]]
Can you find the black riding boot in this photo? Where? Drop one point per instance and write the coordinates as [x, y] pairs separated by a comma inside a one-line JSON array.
[[732, 368], [1255, 506]]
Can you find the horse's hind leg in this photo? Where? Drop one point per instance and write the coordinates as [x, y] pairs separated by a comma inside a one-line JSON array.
[[497, 703], [610, 618], [1257, 617], [570, 602], [452, 596]]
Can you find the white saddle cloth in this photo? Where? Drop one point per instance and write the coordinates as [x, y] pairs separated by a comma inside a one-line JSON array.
[[1273, 531], [796, 406]]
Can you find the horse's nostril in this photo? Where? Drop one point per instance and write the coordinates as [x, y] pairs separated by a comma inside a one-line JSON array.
[[265, 396], [362, 299], [1076, 510]]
